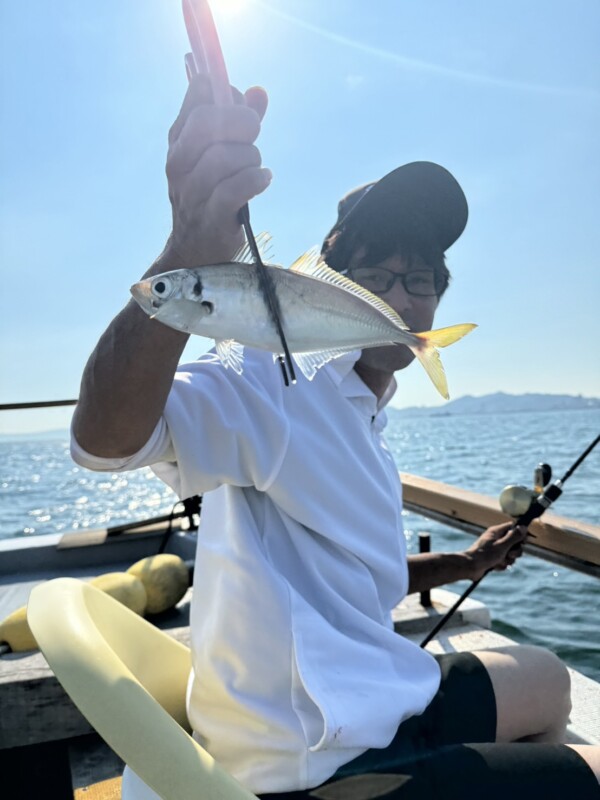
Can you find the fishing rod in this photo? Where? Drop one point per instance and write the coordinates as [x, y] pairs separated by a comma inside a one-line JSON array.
[[207, 58], [538, 505], [39, 404]]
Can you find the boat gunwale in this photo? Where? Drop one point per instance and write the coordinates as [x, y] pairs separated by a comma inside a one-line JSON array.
[[558, 539]]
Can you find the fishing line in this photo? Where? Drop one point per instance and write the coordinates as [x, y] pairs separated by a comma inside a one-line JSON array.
[[269, 293], [207, 58], [536, 509]]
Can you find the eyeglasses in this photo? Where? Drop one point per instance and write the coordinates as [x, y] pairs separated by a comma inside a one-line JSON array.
[[418, 282]]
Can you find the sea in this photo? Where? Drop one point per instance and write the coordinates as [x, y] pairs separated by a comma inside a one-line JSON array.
[[42, 491]]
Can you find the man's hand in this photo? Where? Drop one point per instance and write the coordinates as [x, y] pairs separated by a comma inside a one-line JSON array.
[[497, 548], [213, 169]]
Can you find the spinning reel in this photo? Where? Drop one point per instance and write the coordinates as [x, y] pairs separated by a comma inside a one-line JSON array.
[[516, 500]]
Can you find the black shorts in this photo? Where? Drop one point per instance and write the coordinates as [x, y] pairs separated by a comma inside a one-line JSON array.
[[448, 752]]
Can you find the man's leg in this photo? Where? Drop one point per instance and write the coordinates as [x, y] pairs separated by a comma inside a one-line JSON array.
[[519, 771], [591, 755], [532, 690]]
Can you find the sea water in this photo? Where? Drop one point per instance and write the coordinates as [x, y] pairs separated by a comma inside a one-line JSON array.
[[43, 491], [535, 601]]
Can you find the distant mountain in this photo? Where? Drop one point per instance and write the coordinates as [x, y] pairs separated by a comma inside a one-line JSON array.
[[498, 403], [501, 403]]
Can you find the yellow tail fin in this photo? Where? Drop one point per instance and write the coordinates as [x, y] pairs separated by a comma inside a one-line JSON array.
[[429, 356]]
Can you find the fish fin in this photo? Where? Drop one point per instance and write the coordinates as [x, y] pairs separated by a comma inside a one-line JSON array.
[[309, 363], [312, 265], [263, 242], [429, 356], [230, 353], [442, 337], [308, 262]]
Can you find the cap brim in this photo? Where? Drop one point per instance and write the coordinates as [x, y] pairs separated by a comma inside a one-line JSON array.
[[418, 196]]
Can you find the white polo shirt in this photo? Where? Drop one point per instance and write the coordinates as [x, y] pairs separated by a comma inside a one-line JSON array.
[[301, 557]]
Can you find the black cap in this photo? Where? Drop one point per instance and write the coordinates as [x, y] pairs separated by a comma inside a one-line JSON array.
[[420, 196]]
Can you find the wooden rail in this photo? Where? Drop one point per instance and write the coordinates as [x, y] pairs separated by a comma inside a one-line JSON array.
[[558, 539]]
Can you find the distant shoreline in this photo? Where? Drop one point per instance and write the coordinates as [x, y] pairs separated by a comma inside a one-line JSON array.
[[439, 411], [501, 403], [498, 403]]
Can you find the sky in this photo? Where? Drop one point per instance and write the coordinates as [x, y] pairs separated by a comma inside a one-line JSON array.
[[504, 94]]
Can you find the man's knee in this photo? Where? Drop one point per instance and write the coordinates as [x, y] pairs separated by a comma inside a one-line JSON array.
[[532, 687], [550, 670]]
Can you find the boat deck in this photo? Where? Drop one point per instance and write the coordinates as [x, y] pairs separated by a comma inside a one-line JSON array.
[[36, 713], [91, 760]]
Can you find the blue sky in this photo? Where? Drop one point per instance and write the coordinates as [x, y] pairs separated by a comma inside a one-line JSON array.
[[504, 94]]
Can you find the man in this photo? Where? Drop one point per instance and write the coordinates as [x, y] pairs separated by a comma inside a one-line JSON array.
[[298, 678]]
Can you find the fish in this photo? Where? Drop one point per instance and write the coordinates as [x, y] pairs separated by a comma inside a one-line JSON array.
[[324, 314]]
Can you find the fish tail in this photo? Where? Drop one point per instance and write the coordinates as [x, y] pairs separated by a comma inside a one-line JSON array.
[[442, 337], [429, 357]]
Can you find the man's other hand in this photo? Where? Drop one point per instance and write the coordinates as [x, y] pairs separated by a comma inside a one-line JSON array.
[[497, 548]]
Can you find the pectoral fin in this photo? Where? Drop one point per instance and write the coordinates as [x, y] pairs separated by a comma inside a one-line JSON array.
[[230, 353]]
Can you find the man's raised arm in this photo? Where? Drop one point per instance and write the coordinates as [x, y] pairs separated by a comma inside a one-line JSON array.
[[213, 169]]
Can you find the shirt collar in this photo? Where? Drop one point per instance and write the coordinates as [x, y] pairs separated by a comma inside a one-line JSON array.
[[342, 372], [340, 368]]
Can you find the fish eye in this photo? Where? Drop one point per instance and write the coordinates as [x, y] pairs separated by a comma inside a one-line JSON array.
[[162, 287]]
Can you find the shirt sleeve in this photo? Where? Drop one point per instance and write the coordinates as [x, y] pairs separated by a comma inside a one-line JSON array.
[[217, 428], [157, 448]]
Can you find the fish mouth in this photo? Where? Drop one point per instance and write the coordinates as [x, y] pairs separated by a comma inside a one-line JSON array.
[[142, 294]]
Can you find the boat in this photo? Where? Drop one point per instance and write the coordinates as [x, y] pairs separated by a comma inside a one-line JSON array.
[[40, 725]]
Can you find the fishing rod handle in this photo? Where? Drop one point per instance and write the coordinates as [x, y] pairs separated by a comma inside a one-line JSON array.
[[540, 504]]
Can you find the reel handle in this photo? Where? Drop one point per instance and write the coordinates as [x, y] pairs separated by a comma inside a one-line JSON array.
[[542, 475]]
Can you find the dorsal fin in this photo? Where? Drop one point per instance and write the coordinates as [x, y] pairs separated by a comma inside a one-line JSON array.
[[263, 241], [309, 262], [312, 264]]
